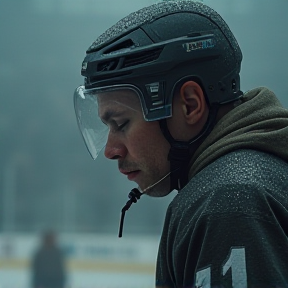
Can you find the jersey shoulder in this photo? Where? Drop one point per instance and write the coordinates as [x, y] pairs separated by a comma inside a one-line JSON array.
[[243, 181]]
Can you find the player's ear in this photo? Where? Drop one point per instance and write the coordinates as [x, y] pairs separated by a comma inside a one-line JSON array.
[[193, 102]]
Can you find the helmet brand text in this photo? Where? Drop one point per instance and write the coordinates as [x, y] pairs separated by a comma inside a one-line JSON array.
[[201, 44]]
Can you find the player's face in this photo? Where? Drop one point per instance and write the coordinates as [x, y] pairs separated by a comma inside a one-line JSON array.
[[139, 146]]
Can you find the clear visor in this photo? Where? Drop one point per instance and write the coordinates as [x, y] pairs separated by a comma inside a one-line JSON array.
[[86, 104]]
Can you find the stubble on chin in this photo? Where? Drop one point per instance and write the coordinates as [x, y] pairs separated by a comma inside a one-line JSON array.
[[159, 190]]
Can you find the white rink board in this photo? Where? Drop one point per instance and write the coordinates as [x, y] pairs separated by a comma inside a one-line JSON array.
[[92, 260]]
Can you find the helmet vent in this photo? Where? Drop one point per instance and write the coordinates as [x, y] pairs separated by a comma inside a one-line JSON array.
[[120, 48], [141, 58], [129, 60]]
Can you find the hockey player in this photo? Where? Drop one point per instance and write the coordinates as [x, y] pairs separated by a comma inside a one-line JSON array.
[[162, 95]]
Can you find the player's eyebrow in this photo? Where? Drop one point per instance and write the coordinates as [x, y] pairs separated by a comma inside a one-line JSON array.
[[106, 118]]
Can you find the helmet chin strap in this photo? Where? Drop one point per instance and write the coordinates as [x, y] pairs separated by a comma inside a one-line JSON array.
[[181, 151]]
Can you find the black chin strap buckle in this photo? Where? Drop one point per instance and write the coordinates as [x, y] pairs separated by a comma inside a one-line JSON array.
[[133, 196]]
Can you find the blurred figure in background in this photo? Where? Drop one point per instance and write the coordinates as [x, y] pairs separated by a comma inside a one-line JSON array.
[[48, 264]]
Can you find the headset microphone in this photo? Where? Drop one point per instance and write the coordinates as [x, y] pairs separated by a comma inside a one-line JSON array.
[[134, 196]]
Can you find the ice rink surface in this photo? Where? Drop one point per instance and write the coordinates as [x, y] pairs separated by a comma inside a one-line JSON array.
[[20, 278]]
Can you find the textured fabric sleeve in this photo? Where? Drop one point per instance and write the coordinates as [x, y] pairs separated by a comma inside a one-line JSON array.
[[244, 245], [237, 251]]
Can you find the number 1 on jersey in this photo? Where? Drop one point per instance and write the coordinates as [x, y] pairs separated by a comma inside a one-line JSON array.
[[236, 262]]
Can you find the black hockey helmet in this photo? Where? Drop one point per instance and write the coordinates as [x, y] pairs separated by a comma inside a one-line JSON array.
[[151, 52]]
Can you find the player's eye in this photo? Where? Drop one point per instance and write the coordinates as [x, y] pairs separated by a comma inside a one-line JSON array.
[[122, 126]]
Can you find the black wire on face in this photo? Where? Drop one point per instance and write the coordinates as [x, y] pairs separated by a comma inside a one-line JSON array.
[[134, 195]]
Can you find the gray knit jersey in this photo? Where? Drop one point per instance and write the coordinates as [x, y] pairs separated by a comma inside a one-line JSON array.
[[229, 226]]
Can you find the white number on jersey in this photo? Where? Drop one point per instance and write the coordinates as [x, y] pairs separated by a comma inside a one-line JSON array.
[[236, 262]]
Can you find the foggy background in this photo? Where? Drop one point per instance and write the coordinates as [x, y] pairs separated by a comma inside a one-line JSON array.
[[47, 177]]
